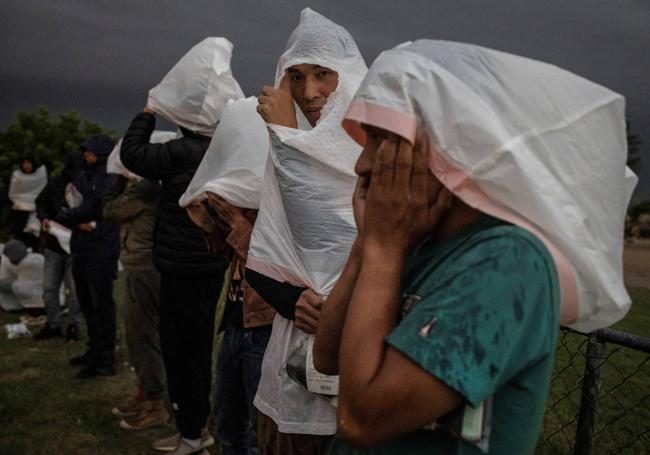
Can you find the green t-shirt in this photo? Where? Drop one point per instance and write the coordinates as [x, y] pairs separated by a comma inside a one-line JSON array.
[[480, 313]]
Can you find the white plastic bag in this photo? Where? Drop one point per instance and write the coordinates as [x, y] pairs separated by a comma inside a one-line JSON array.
[[33, 225], [305, 227], [114, 163], [524, 141], [25, 188], [233, 166], [197, 88], [62, 235]]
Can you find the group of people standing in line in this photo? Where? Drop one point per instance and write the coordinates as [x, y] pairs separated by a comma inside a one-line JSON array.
[[394, 244]]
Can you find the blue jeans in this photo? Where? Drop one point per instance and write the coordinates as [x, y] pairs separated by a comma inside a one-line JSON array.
[[57, 269], [239, 366]]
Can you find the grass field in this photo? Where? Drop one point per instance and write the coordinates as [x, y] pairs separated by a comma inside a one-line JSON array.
[[44, 409]]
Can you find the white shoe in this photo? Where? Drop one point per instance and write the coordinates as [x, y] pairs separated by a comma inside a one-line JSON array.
[[173, 443]]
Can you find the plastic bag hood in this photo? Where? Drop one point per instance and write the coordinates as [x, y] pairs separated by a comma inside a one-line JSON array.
[[233, 166], [195, 91], [305, 226], [524, 141]]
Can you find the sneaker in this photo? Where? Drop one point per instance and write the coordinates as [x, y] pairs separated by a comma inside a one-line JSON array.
[[33, 320], [72, 332], [47, 332], [171, 443], [91, 371], [167, 444], [151, 413], [80, 360], [131, 406], [183, 448]]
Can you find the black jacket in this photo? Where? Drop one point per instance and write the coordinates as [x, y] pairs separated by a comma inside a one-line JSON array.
[[179, 246], [103, 241], [51, 200]]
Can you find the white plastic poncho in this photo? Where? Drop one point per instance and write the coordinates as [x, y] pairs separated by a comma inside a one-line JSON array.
[[233, 166], [197, 88], [25, 188], [524, 141], [114, 163], [305, 227]]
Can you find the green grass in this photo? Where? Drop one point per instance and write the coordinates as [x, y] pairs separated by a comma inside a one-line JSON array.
[[624, 405], [44, 409]]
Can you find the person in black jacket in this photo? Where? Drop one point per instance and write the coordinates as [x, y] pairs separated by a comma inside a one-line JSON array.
[[191, 277], [95, 245], [57, 267]]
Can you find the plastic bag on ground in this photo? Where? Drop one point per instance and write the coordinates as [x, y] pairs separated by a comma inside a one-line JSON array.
[[524, 141], [114, 163], [195, 91], [233, 166], [25, 188]]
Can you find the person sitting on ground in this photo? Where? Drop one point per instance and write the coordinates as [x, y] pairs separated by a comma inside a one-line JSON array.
[[57, 268], [450, 302], [21, 285], [95, 248], [134, 206]]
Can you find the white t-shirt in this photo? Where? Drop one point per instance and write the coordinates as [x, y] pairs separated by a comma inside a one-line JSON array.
[[289, 404]]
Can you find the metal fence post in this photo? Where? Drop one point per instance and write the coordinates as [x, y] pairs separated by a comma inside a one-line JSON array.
[[595, 358]]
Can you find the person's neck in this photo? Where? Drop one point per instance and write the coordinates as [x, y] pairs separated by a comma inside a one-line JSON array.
[[458, 217]]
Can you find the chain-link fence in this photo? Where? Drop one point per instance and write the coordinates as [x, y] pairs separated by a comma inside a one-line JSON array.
[[599, 402]]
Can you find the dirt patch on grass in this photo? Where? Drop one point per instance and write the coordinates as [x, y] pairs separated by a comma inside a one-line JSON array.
[[636, 264]]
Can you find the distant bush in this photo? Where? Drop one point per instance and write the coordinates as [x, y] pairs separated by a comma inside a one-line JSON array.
[[48, 139]]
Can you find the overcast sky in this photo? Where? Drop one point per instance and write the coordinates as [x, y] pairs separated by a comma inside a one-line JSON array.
[[101, 57]]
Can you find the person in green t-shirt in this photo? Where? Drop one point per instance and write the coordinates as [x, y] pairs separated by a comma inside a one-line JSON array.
[[438, 308]]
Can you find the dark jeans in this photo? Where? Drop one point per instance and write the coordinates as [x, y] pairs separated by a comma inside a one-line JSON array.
[[239, 367], [141, 321], [272, 442], [187, 309], [57, 269], [93, 279]]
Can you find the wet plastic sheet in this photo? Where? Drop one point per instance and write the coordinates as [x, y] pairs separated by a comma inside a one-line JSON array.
[[524, 141], [305, 227]]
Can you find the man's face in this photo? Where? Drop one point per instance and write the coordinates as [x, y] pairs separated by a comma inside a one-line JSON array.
[[366, 161], [27, 166], [90, 157], [311, 85]]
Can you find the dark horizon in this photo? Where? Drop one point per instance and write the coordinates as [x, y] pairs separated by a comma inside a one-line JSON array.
[[101, 58]]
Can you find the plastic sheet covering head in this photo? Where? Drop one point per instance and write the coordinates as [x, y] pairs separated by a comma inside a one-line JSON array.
[[305, 227], [195, 91], [233, 166], [524, 141], [114, 163], [25, 188]]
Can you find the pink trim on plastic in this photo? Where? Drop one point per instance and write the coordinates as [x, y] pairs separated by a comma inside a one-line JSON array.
[[460, 184], [387, 118], [276, 272]]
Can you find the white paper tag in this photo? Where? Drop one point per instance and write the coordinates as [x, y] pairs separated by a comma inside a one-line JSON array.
[[318, 382]]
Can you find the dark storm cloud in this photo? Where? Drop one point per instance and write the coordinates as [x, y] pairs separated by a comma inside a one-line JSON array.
[[101, 57]]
